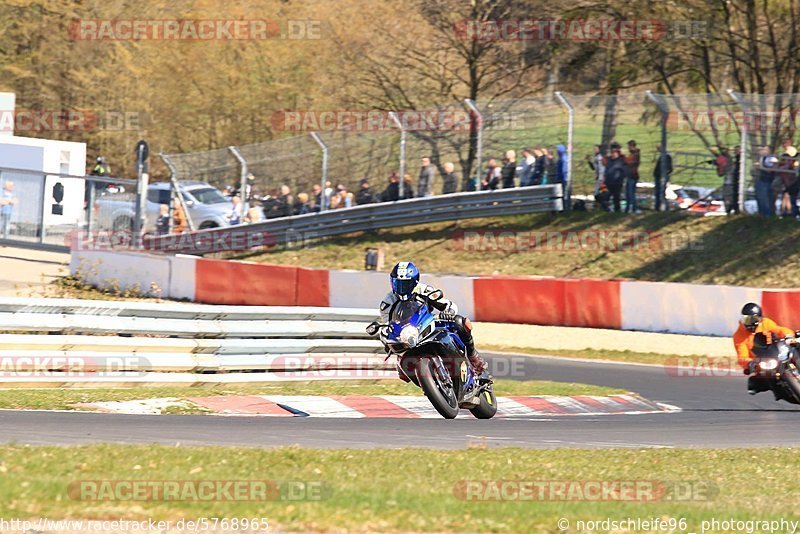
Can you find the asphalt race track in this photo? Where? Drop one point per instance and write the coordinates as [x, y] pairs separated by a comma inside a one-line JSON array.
[[716, 412]]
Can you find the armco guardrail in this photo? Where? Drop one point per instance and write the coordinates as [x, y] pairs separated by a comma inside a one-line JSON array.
[[84, 340], [300, 228]]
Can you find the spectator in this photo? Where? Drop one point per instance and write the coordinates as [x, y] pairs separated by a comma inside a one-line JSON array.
[[162, 221], [408, 187], [789, 177], [301, 205], [549, 166], [492, 178], [730, 187], [764, 178], [326, 199], [427, 174], [285, 203], [632, 160], [392, 191], [597, 164], [539, 167], [449, 179], [316, 194], [339, 199], [7, 202], [270, 205], [509, 170], [561, 166], [101, 168], [254, 213], [349, 200], [526, 168], [616, 173], [234, 216], [365, 195], [178, 219], [661, 185]]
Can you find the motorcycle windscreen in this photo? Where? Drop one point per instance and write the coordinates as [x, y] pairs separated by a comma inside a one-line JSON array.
[[404, 311]]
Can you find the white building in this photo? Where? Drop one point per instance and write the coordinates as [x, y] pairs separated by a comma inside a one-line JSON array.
[[40, 156]]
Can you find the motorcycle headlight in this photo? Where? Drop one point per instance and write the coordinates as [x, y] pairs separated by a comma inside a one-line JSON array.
[[409, 335], [768, 365]]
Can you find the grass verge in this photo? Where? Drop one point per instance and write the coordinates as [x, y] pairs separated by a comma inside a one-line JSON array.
[[628, 356], [673, 247], [409, 490], [66, 399]]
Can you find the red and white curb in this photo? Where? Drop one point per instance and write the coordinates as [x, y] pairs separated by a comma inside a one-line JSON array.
[[391, 406]]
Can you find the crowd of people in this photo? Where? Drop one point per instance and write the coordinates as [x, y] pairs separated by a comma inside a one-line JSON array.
[[538, 166], [616, 173]]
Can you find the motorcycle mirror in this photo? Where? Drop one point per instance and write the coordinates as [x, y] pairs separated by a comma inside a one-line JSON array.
[[436, 294], [373, 328]]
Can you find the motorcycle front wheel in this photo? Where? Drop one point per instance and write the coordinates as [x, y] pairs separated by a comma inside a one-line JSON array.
[[437, 388], [792, 382], [488, 406]]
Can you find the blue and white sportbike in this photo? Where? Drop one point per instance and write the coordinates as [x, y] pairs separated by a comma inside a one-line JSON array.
[[432, 356]]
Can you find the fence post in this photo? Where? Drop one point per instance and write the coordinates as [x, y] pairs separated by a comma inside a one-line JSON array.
[[478, 138], [743, 144], [324, 147], [570, 130], [173, 179], [399, 125], [662, 166], [243, 181]]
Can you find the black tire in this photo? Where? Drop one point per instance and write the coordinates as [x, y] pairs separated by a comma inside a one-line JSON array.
[[427, 376], [792, 383], [488, 406]]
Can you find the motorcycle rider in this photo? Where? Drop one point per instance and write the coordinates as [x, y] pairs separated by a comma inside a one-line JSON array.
[[753, 322], [405, 283]]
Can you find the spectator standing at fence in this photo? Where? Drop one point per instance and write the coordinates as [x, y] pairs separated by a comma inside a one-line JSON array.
[[539, 167], [427, 174], [365, 195], [101, 167], [492, 177], [449, 179], [234, 216], [632, 160], [408, 187], [338, 200], [7, 202], [661, 184], [254, 213], [509, 170], [178, 219], [285, 202], [301, 205], [316, 195], [789, 177], [765, 175], [162, 221], [526, 168], [561, 166], [392, 191], [616, 173], [597, 164]]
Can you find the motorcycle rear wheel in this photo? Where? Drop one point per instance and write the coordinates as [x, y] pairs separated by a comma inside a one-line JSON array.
[[431, 384]]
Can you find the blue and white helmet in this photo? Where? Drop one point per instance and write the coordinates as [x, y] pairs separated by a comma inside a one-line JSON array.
[[404, 277]]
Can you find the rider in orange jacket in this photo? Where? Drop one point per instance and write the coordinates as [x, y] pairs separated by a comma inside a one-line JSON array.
[[751, 323]]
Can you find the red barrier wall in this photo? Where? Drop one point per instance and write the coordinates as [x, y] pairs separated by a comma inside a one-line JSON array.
[[313, 287], [548, 301], [592, 303], [519, 300], [234, 282]]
